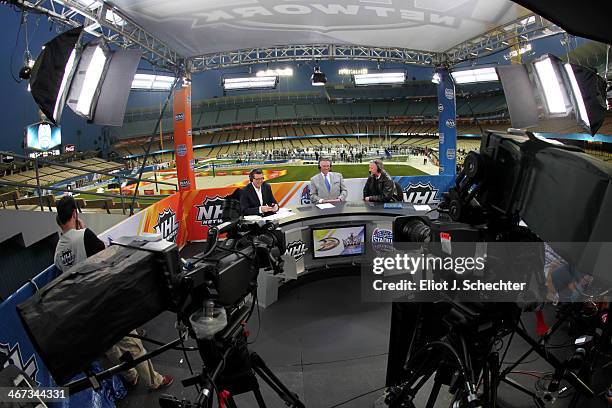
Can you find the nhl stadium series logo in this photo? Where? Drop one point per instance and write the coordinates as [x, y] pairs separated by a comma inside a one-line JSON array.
[[189, 132], [342, 15], [305, 195], [167, 225], [449, 93], [382, 240], [192, 164], [210, 212], [297, 249], [181, 150], [421, 193], [442, 137], [440, 107], [184, 183], [179, 117], [450, 154], [450, 123], [14, 357]]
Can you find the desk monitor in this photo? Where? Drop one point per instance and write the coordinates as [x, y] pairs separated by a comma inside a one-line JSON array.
[[340, 241]]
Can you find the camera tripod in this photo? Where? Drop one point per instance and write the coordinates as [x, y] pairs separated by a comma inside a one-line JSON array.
[[465, 369], [235, 371]]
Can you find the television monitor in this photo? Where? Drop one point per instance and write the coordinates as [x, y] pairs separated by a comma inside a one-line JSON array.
[[43, 136], [340, 241]]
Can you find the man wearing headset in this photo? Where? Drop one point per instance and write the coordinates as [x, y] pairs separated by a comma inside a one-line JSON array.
[[327, 186], [257, 198], [379, 187]]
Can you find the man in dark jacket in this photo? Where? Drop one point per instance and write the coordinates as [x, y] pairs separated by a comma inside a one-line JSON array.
[[379, 187], [257, 198]]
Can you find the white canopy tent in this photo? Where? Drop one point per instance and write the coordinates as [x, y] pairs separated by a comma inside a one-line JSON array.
[[210, 34]]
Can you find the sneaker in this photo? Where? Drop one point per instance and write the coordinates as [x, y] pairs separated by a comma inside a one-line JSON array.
[[167, 380]]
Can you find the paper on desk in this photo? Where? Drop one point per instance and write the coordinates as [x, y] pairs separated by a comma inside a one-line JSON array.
[[282, 213], [324, 206], [422, 207], [253, 217]]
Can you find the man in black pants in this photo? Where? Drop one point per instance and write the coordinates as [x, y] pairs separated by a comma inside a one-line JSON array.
[[76, 244]]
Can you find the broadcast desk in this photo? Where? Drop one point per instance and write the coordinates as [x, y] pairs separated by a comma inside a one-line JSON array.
[[319, 239]]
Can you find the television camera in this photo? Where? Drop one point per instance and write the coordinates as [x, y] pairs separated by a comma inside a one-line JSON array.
[[213, 294], [514, 200]]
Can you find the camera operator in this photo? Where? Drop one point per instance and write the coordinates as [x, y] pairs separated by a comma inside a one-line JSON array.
[[76, 244]]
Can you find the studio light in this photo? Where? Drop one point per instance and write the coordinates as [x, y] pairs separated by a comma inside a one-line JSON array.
[[551, 84], [318, 78], [588, 92], [256, 82], [379, 78], [52, 72], [472, 76], [149, 82], [93, 80]]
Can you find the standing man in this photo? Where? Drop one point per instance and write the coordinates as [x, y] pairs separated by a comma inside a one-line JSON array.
[[379, 186], [327, 186], [257, 198], [76, 244]]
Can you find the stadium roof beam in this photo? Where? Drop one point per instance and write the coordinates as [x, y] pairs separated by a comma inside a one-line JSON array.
[[525, 29], [313, 52], [102, 20]]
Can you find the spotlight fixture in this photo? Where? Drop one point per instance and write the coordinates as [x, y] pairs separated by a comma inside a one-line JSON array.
[[379, 78], [472, 76], [253, 82], [318, 78]]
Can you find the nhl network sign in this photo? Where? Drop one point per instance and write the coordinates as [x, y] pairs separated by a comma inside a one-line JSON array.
[[303, 15]]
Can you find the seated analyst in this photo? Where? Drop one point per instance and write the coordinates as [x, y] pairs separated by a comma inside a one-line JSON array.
[[256, 198], [327, 186], [76, 244], [379, 186]]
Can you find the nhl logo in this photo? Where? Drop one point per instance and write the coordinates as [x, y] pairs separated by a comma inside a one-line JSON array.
[[305, 195], [210, 212], [450, 123], [449, 93], [14, 357], [296, 249], [440, 107], [67, 257], [167, 225], [181, 150], [421, 193]]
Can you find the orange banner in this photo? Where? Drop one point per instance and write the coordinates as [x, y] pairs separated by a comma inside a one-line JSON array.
[[183, 143]]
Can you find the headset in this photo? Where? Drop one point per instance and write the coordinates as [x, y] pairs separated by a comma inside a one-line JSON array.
[[324, 159], [379, 165], [253, 172]]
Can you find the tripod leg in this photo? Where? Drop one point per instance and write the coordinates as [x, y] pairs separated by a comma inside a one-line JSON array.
[[435, 391], [525, 390], [259, 398], [260, 367]]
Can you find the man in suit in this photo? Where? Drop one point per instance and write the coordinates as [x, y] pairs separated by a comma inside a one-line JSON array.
[[379, 186], [257, 198], [327, 186]]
